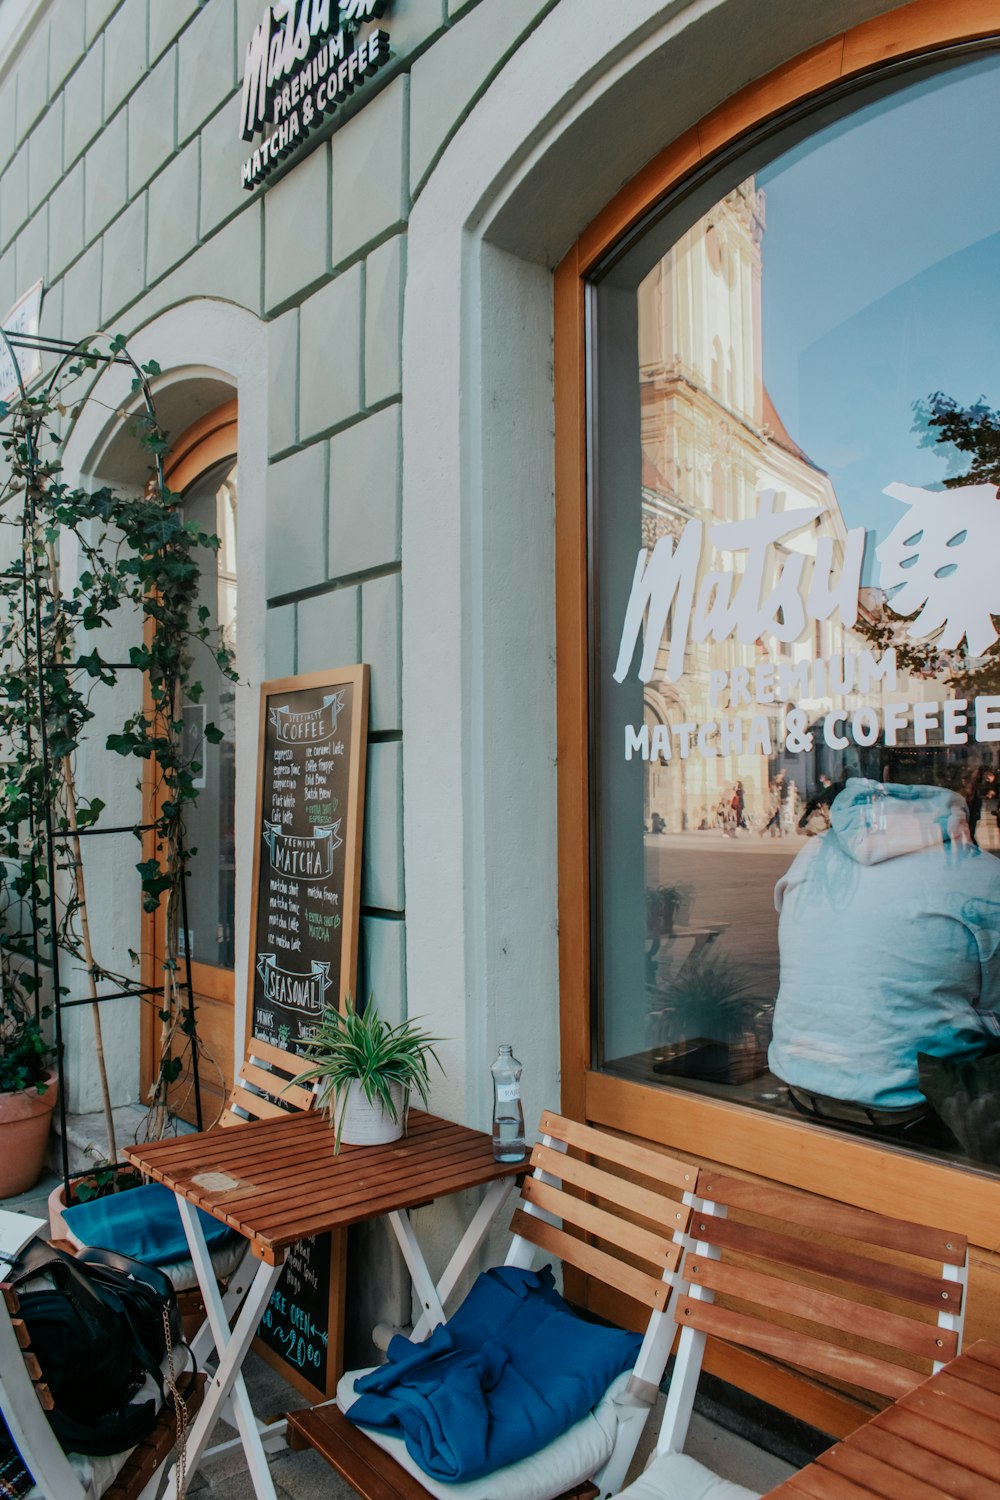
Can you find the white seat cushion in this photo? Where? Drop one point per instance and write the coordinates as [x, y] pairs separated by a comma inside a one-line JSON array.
[[675, 1476], [181, 1273], [572, 1458]]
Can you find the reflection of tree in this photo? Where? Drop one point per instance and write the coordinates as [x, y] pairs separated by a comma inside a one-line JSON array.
[[971, 430], [972, 434]]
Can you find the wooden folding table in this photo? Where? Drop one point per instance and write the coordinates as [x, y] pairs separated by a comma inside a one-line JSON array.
[[942, 1438], [277, 1181]]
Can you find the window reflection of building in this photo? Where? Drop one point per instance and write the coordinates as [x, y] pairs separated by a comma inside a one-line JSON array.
[[712, 441]]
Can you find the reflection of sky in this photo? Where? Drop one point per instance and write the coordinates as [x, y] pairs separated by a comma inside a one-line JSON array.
[[881, 257]]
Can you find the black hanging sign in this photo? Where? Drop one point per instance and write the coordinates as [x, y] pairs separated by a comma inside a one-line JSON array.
[[303, 61]]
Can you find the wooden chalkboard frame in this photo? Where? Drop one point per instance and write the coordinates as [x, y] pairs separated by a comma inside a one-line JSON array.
[[352, 823], [333, 1245], [351, 829]]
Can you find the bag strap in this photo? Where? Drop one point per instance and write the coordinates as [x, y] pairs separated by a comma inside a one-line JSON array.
[[140, 1270], [39, 1258]]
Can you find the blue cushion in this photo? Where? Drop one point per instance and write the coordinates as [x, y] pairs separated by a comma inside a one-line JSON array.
[[143, 1222], [510, 1371]]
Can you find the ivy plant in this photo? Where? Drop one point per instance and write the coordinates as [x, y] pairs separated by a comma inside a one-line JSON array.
[[136, 559]]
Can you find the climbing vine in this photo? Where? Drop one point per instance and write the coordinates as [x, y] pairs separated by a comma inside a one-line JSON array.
[[76, 561]]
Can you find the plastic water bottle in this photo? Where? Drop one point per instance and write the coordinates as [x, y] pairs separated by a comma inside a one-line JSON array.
[[508, 1116]]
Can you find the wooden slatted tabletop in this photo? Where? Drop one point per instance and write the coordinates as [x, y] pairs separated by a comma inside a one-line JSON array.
[[278, 1181], [943, 1438]]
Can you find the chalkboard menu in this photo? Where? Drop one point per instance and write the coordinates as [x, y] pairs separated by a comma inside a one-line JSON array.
[[304, 953], [300, 1333], [307, 862]]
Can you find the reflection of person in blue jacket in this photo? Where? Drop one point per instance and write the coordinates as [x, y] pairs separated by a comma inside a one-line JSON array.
[[889, 938]]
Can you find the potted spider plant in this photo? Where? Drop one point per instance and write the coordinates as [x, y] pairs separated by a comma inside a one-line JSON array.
[[366, 1070]]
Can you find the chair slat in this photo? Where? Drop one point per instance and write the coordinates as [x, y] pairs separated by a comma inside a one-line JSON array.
[[10, 1298], [610, 1189], [662, 1252], [798, 1348], [276, 1086], [842, 1265], [624, 1153], [810, 1211], [255, 1104], [893, 1329], [593, 1262], [282, 1062]]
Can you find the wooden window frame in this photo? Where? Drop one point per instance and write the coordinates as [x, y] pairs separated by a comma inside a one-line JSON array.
[[811, 1157], [199, 448]]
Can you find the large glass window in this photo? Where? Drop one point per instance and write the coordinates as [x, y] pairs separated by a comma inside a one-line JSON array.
[[210, 503], [795, 607]]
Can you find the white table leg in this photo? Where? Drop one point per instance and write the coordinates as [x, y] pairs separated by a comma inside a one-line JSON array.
[[203, 1342], [232, 1346], [434, 1298]]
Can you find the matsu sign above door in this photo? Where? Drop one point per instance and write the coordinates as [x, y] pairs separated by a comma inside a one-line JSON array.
[[303, 61]]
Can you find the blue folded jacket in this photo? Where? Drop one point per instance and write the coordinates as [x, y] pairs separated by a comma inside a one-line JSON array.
[[143, 1222], [506, 1375]]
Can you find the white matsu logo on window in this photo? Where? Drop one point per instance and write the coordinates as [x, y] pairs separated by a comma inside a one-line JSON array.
[[938, 565]]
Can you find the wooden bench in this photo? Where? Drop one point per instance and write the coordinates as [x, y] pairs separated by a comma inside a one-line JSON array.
[[872, 1305]]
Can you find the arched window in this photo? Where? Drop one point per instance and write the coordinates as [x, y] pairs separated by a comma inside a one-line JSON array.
[[848, 574]]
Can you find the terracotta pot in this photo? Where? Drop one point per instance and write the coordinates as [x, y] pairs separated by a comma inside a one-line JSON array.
[[368, 1124], [57, 1202], [57, 1224], [25, 1118]]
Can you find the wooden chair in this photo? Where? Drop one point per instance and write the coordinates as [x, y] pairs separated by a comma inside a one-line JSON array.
[[24, 1400], [870, 1304], [606, 1207], [263, 1090]]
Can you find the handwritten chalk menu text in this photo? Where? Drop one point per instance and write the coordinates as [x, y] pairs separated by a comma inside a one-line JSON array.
[[295, 1324], [307, 869]]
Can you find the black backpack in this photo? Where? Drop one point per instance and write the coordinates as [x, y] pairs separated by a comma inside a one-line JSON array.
[[98, 1324]]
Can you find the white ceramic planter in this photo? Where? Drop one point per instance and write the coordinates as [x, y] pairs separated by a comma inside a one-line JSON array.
[[368, 1124]]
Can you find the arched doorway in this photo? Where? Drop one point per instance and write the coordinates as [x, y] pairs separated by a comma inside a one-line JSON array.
[[202, 468]]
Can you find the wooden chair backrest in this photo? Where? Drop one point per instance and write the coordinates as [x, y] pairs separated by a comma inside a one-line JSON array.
[[29, 1359], [618, 1221], [874, 1302], [24, 1400], [263, 1089]]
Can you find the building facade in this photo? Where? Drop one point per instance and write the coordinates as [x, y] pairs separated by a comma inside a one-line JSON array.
[[473, 303]]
